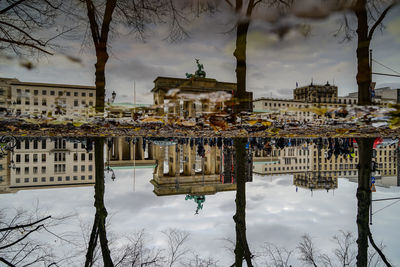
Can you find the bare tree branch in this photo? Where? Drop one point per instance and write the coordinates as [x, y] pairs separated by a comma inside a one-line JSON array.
[[379, 20]]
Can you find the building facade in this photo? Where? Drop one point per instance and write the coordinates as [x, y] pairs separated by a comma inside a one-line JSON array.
[[315, 93], [45, 98], [190, 97], [46, 163]]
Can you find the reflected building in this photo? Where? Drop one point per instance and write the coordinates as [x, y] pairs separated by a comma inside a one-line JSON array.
[[312, 168], [5, 173], [49, 163], [181, 169], [125, 152]]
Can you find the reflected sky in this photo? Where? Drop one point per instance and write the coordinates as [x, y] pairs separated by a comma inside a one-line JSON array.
[[276, 212]]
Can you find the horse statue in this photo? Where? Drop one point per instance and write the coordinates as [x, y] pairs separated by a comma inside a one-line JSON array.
[[199, 72]]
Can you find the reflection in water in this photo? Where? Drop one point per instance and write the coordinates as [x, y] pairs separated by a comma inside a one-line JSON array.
[[199, 167]]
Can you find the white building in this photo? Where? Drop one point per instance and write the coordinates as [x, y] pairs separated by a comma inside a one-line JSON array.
[[43, 163], [44, 98]]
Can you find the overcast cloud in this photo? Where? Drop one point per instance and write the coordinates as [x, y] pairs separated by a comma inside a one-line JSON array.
[[274, 65]]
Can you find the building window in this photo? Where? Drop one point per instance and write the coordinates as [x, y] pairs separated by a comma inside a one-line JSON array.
[[43, 157], [75, 145], [35, 92], [59, 178], [83, 94], [90, 177], [91, 103], [43, 144], [75, 93], [43, 179], [26, 144], [44, 102], [26, 170], [91, 94], [18, 158], [52, 93], [83, 168], [18, 180], [35, 144], [44, 92], [83, 102], [90, 156], [51, 179], [75, 168], [43, 169], [75, 156], [18, 170], [68, 93], [83, 177], [75, 103], [75, 178], [35, 158], [90, 168], [60, 93], [27, 158], [26, 180], [83, 157], [35, 180]]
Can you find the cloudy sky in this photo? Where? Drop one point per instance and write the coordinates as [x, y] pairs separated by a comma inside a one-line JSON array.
[[274, 64], [275, 213]]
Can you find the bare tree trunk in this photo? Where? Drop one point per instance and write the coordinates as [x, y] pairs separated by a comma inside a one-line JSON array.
[[363, 198], [242, 249], [102, 58], [241, 69], [101, 211], [363, 44], [92, 242], [100, 38]]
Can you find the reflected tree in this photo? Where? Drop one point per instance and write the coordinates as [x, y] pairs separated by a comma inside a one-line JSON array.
[[20, 235], [99, 223], [364, 197], [242, 250]]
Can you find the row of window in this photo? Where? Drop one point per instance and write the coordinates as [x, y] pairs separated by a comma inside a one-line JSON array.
[[58, 168], [52, 179], [286, 168], [44, 102], [35, 144], [58, 157], [60, 93]]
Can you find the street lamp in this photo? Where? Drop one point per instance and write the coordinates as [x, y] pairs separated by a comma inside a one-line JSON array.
[[113, 95]]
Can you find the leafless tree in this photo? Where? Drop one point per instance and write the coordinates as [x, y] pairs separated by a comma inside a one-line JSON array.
[[308, 254], [367, 15], [135, 14], [176, 245], [275, 256], [30, 27], [19, 242], [136, 252], [244, 11]]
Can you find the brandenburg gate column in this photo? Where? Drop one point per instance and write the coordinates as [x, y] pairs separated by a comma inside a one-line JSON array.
[[120, 148], [160, 157], [189, 155], [173, 160]]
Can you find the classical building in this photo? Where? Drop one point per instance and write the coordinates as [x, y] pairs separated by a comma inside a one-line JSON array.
[[315, 93], [47, 163], [45, 98], [181, 170]]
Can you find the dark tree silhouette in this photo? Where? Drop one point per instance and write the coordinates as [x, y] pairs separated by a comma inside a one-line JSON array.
[[29, 27], [367, 13], [242, 250], [244, 11]]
